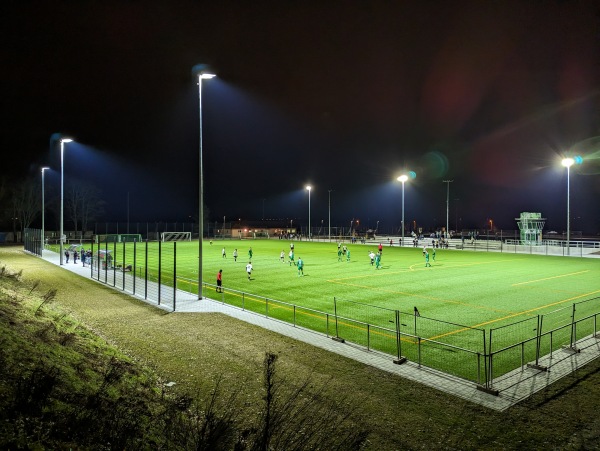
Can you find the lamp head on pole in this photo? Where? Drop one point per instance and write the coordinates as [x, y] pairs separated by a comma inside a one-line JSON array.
[[66, 140], [45, 168], [567, 162], [403, 178], [203, 72], [308, 188]]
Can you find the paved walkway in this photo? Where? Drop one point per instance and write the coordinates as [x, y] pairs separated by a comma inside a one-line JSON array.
[[513, 388]]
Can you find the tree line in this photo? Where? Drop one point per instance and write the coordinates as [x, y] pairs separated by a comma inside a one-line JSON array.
[[21, 205]]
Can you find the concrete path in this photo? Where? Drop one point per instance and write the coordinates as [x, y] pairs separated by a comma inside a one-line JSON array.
[[513, 388]]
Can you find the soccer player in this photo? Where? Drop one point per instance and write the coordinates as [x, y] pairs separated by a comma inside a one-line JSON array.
[[249, 269], [433, 254], [339, 254], [223, 254], [300, 267], [235, 254], [291, 256], [282, 256], [250, 253], [219, 281], [378, 260], [424, 250], [427, 259], [372, 257], [347, 255]]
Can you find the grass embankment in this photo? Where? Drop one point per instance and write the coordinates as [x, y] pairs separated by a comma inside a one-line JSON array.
[[196, 350]]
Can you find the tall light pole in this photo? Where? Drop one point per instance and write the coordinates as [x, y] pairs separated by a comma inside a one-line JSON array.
[[43, 211], [567, 163], [203, 73], [309, 189], [447, 207], [62, 193], [329, 215], [403, 178]]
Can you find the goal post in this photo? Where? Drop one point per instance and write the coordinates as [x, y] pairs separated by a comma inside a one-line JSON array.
[[176, 236]]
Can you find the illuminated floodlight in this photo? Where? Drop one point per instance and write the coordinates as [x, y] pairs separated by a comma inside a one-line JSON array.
[[63, 141], [403, 178], [203, 72], [567, 162], [309, 189]]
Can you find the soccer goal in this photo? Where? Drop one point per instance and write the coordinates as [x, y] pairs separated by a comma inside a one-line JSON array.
[[176, 236], [119, 238]]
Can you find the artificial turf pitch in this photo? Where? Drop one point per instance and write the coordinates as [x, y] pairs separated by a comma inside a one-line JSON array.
[[479, 290]]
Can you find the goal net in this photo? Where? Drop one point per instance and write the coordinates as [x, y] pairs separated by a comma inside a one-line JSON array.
[[119, 238], [176, 236]]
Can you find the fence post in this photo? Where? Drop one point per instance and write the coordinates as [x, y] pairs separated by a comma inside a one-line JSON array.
[[134, 263], [174, 274], [368, 337], [337, 335], [538, 345], [114, 266], [160, 269], [123, 265], [399, 359], [146, 272]]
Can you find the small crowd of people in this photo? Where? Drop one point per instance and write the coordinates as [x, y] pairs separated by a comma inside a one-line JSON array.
[[85, 256]]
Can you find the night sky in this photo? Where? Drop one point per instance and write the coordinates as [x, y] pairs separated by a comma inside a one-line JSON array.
[[345, 96]]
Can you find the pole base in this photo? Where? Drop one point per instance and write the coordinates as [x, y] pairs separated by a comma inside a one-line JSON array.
[[571, 349], [338, 339], [537, 367], [490, 391], [400, 361]]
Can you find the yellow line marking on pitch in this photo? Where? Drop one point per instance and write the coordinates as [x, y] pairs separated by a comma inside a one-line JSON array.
[[549, 278], [519, 313]]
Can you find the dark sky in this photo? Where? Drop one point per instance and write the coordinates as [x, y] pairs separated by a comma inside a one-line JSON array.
[[345, 96]]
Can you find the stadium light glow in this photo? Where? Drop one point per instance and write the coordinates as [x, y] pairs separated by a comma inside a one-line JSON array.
[[403, 178], [45, 168], [567, 163], [203, 73], [62, 193], [309, 189]]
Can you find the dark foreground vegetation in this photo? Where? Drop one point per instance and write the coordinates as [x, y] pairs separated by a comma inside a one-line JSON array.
[[63, 387], [85, 367]]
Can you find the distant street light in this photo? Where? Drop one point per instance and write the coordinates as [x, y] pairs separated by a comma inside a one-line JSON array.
[[62, 193], [43, 211], [448, 207], [403, 178], [567, 163], [309, 189], [202, 72], [329, 215]]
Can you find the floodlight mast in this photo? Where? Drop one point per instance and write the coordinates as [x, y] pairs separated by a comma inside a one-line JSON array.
[[43, 211], [309, 189], [403, 178], [62, 194], [567, 163], [203, 73], [448, 207]]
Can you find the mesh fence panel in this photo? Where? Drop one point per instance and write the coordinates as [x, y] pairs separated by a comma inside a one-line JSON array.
[[442, 331], [505, 336]]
